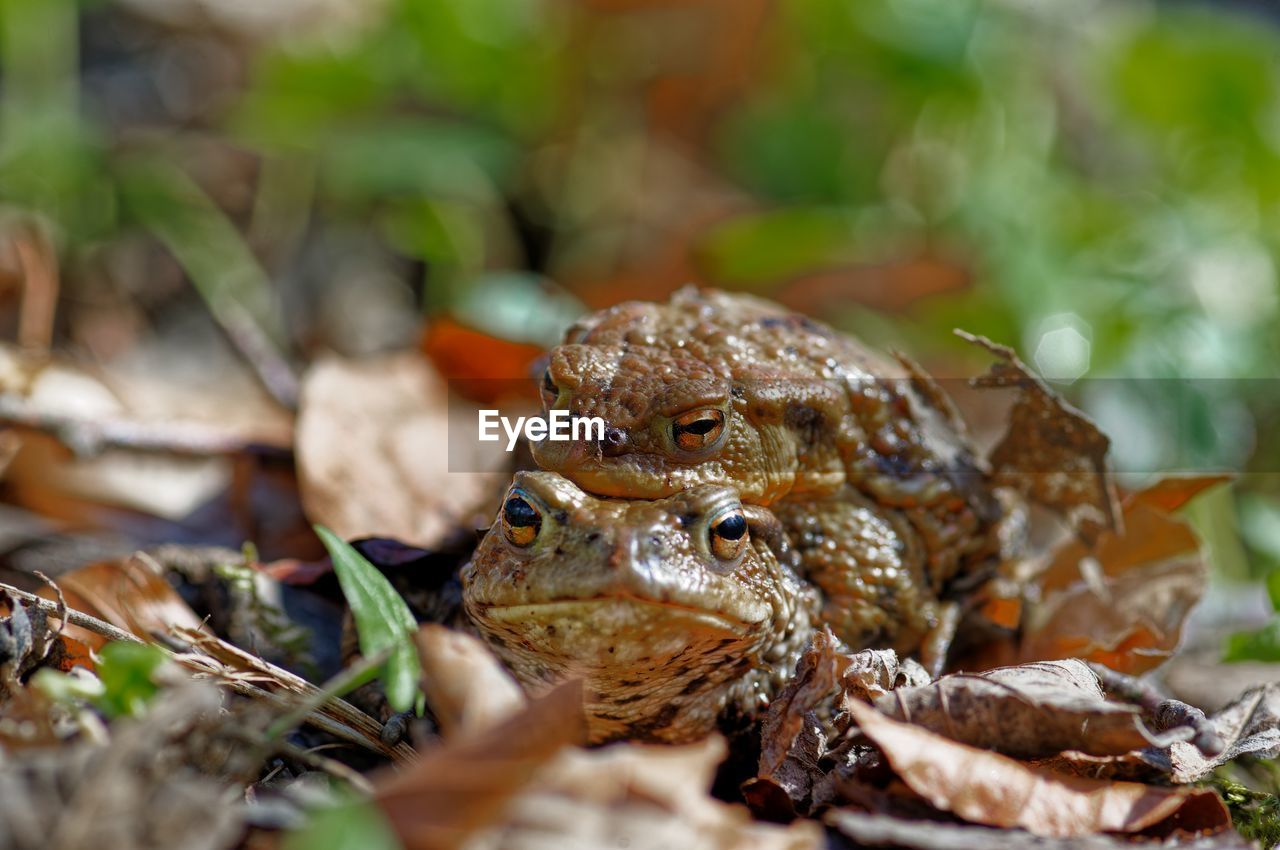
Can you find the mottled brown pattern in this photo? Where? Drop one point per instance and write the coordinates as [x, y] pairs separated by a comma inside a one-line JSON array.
[[628, 595], [859, 456]]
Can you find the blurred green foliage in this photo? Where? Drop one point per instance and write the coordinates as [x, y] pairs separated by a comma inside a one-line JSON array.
[[127, 671], [1104, 177]]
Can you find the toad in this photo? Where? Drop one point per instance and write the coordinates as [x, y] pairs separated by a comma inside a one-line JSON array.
[[862, 458], [679, 614]]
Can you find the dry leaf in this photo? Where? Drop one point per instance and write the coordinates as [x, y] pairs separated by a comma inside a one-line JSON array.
[[467, 687], [464, 784], [517, 785], [130, 594], [987, 788], [28, 641], [374, 453], [874, 673], [142, 442], [873, 830], [1250, 726], [1123, 601], [818, 675], [1029, 711], [1051, 452], [1170, 494], [643, 797], [792, 739]]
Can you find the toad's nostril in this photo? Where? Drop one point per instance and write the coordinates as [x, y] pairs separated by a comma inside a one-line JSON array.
[[614, 440]]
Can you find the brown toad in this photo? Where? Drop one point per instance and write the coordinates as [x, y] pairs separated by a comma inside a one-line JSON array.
[[676, 612], [861, 458]]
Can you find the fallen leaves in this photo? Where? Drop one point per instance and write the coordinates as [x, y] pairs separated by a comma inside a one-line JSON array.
[[150, 444], [1029, 711], [457, 788], [1021, 748], [509, 777], [130, 594], [987, 788], [1121, 602], [466, 689]]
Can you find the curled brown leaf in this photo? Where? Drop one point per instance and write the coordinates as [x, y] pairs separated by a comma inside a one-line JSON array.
[[1028, 711], [1122, 601], [1051, 451], [988, 788]]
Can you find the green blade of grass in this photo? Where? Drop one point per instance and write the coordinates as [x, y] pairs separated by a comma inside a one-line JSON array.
[[382, 619]]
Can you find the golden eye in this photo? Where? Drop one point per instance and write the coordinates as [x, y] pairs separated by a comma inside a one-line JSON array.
[[697, 429], [521, 521], [728, 533], [550, 392]]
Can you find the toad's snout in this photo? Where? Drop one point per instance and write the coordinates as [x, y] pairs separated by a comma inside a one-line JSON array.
[[634, 558]]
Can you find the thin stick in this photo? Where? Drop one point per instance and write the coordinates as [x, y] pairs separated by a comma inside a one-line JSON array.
[[74, 617], [1168, 713], [320, 721], [62, 602]]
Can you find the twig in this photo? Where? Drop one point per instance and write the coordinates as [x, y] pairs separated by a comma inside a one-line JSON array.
[[1167, 713], [62, 602], [89, 436], [336, 716], [74, 617], [366, 738], [336, 728], [350, 678]]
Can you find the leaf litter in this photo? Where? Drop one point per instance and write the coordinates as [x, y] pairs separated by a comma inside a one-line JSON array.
[[1022, 746]]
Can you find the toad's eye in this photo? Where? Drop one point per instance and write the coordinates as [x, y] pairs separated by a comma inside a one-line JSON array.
[[521, 521], [697, 429], [550, 392], [728, 534]]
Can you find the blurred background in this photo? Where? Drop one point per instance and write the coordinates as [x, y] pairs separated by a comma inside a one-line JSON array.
[[200, 197]]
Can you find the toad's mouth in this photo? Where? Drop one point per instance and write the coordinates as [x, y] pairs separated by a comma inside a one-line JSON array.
[[594, 610]]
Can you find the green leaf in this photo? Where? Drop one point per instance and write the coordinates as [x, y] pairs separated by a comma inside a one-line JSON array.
[[1273, 588], [126, 671], [382, 618], [350, 826], [1260, 645]]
